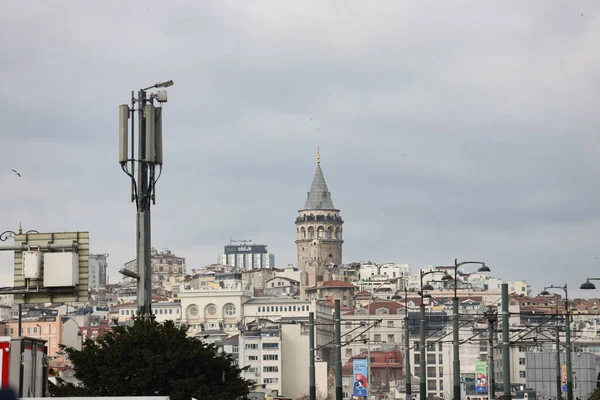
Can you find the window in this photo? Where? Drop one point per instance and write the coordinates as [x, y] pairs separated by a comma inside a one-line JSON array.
[[270, 357], [251, 346], [211, 309], [431, 346], [270, 346], [417, 358], [235, 349], [28, 330], [431, 384], [252, 358], [193, 311], [416, 345], [377, 337], [390, 338], [267, 381], [522, 374], [35, 329], [390, 324], [441, 371], [271, 368], [521, 361], [229, 310], [430, 358], [46, 329], [348, 353], [440, 359], [345, 381]]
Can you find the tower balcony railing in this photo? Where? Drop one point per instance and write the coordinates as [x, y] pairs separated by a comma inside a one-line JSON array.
[[320, 218]]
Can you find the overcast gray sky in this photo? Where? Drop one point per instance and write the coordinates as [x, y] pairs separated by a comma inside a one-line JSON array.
[[471, 122]]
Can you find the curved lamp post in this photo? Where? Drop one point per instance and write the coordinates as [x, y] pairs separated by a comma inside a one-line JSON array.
[[422, 344], [4, 236], [393, 280], [455, 332], [567, 335]]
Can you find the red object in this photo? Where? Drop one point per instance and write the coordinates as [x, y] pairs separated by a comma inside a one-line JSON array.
[[4, 365]]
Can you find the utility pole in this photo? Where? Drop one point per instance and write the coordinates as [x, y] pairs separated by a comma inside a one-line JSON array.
[[505, 343], [422, 353], [339, 394], [492, 319], [150, 156], [557, 344], [311, 365], [408, 372]]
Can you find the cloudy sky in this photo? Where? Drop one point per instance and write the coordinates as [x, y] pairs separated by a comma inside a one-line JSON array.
[[447, 129]]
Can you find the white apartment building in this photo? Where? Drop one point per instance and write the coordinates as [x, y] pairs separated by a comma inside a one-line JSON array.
[[211, 308], [371, 271], [277, 359], [274, 309], [264, 311], [295, 362], [163, 310], [98, 266], [518, 288], [260, 351], [384, 336]]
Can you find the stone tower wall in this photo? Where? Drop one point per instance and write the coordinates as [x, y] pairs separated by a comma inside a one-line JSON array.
[[319, 236]]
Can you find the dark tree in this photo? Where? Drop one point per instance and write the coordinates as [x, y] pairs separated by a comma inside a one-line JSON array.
[[151, 359], [595, 395]]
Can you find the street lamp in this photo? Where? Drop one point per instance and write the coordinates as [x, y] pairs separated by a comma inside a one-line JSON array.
[[455, 332], [407, 374], [587, 285], [393, 280], [567, 335], [150, 156], [423, 346]]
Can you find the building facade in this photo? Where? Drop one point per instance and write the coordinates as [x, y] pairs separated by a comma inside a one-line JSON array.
[[97, 270], [164, 265], [247, 257]]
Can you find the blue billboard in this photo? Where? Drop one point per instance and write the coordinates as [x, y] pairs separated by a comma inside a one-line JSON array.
[[359, 369]]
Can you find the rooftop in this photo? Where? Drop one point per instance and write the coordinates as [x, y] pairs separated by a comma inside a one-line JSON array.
[[319, 197]]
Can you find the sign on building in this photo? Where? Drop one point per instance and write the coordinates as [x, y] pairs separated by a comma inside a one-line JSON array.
[[359, 370], [481, 382]]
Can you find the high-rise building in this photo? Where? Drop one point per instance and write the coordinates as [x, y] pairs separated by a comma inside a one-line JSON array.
[[247, 256], [97, 270], [318, 232]]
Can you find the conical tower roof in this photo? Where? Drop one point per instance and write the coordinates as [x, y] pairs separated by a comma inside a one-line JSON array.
[[319, 197]]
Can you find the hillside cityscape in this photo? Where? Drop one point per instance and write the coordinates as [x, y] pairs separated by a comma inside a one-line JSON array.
[[258, 312]]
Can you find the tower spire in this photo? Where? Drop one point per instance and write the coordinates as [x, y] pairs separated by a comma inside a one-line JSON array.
[[318, 156]]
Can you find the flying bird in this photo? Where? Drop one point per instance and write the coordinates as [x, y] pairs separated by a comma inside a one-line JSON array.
[[16, 173]]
